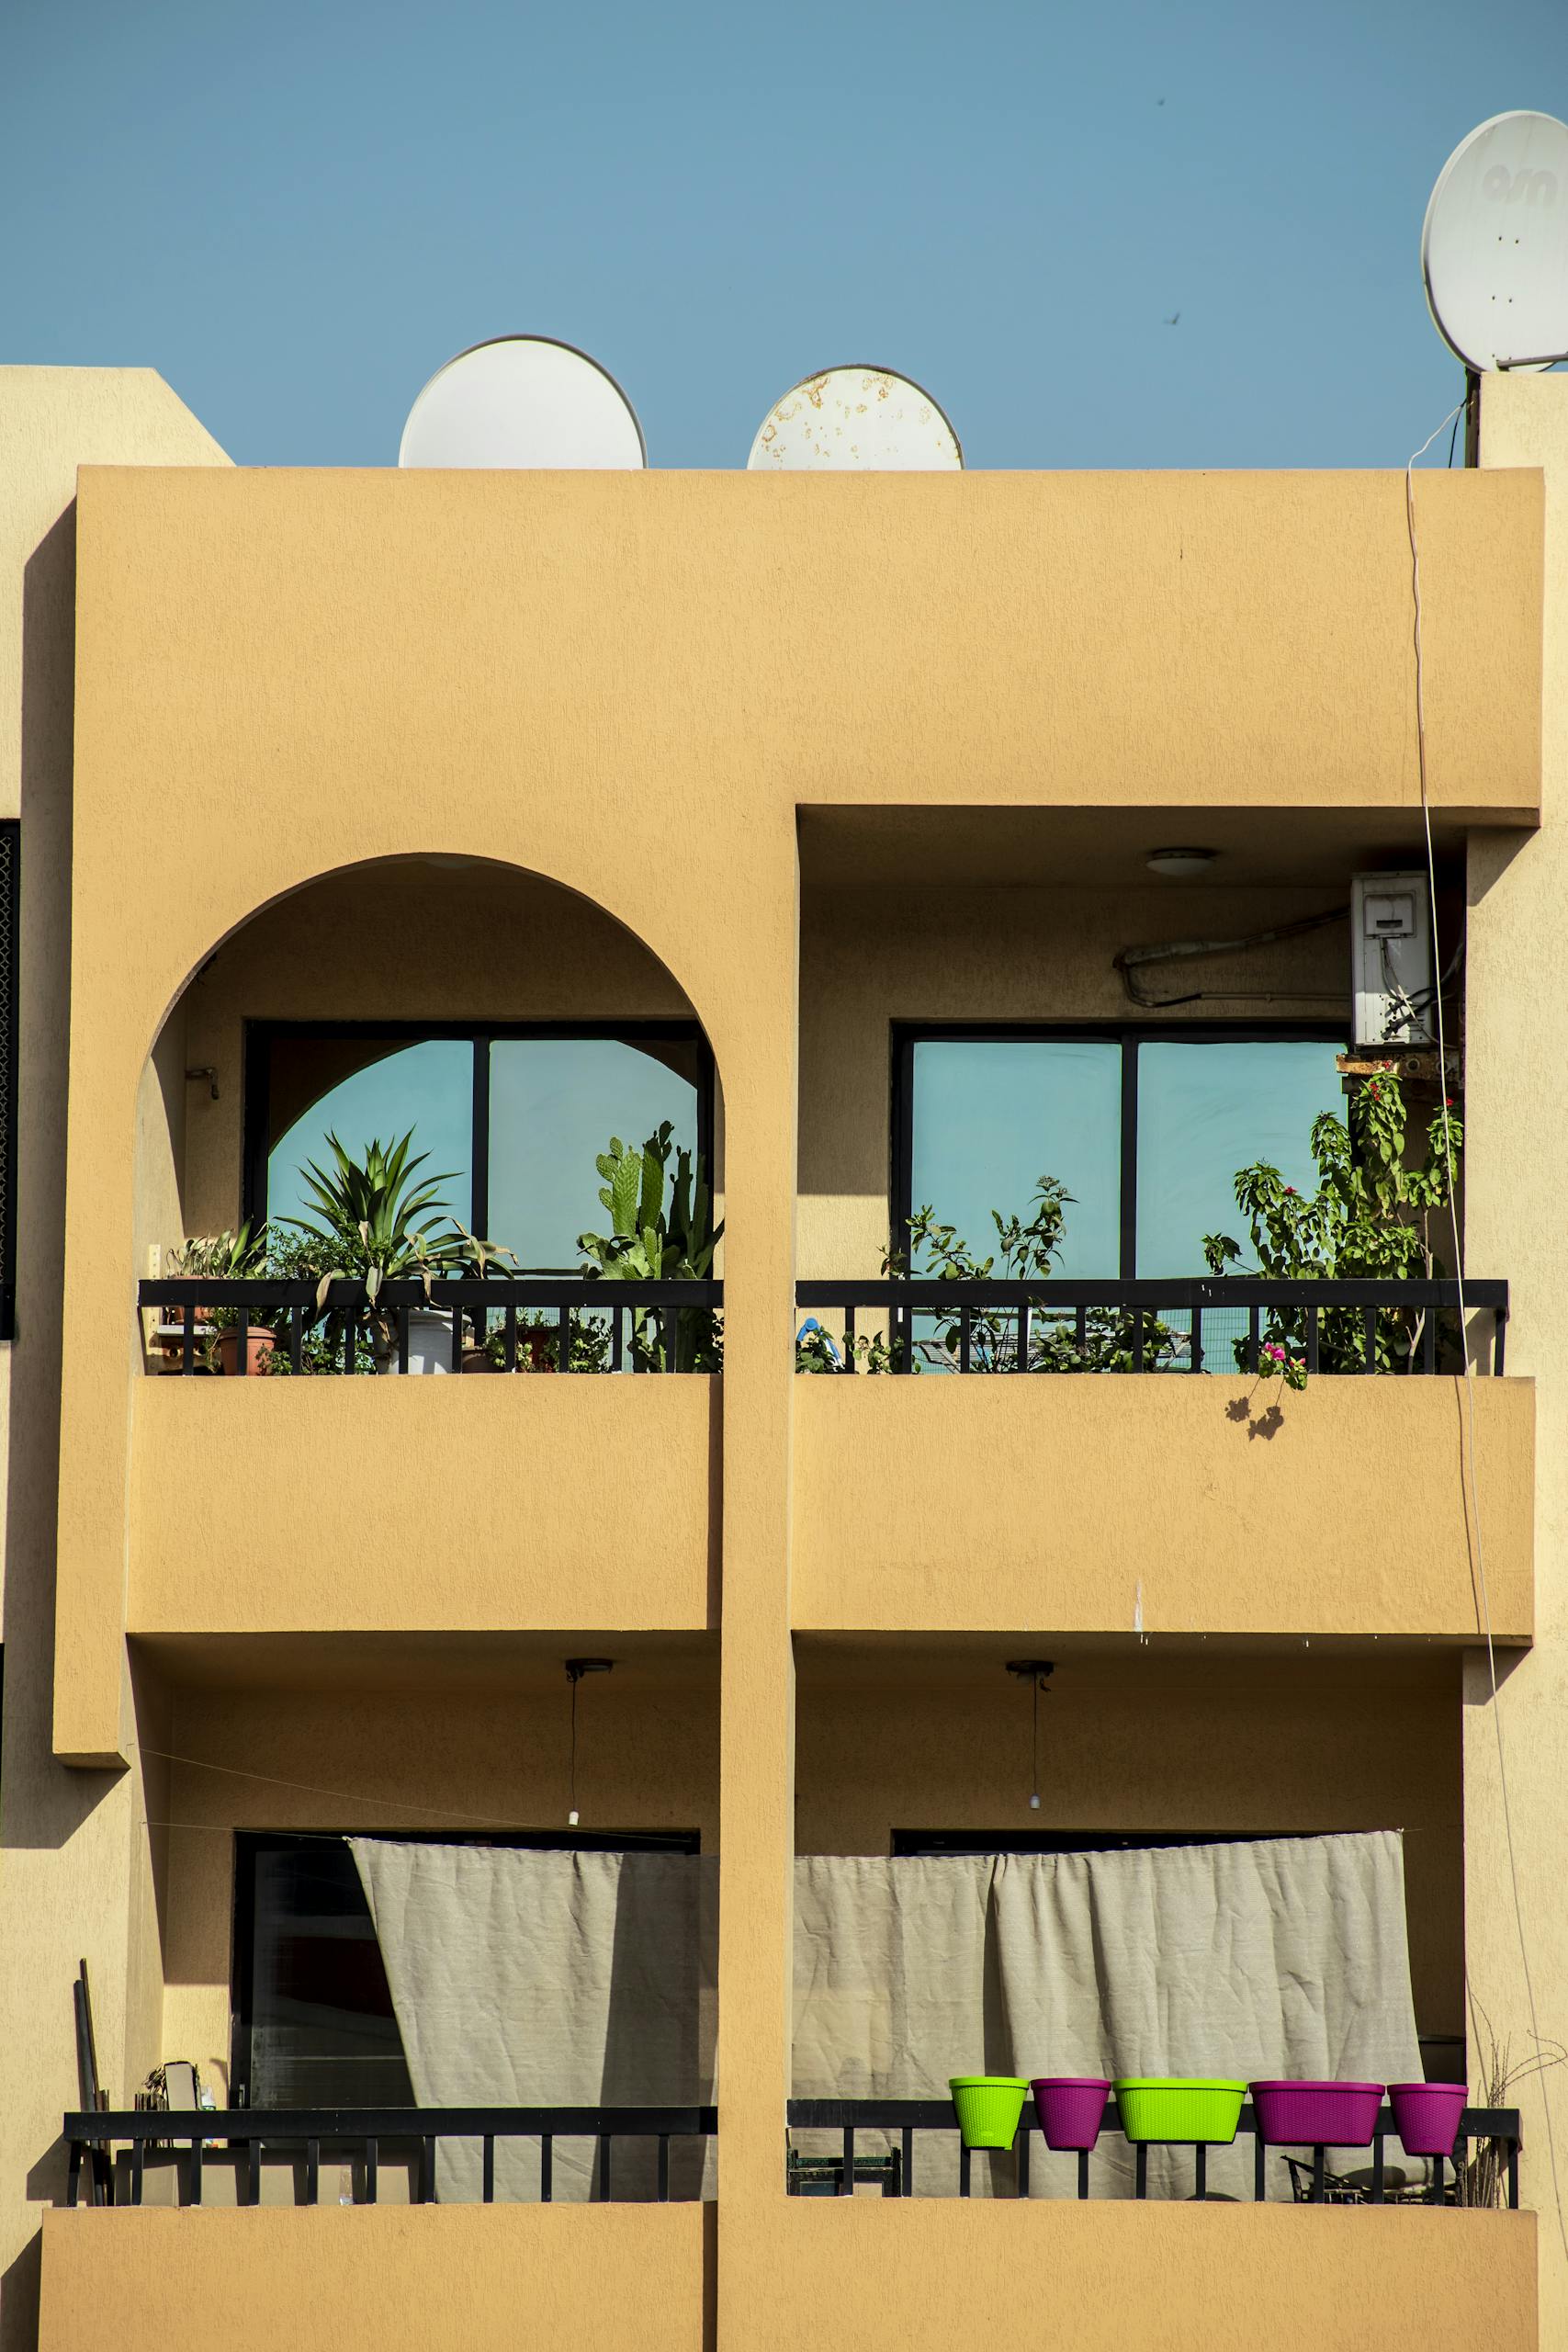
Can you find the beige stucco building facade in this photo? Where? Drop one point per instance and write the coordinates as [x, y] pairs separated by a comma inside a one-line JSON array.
[[807, 761]]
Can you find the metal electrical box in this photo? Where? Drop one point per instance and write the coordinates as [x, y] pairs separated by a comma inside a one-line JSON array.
[[1391, 959]]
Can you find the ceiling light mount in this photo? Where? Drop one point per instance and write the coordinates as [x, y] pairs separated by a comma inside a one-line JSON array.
[[1180, 862]]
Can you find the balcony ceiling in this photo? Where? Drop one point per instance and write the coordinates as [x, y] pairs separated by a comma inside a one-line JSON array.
[[1106, 849]]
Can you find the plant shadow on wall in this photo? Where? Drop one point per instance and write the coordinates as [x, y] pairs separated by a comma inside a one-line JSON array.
[[1369, 1217]]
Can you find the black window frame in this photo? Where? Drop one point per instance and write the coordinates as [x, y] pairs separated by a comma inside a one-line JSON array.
[[260, 1036], [249, 1844], [1128, 1035]]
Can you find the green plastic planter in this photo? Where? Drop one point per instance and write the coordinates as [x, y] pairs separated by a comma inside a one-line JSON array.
[[1174, 2108], [989, 2108]]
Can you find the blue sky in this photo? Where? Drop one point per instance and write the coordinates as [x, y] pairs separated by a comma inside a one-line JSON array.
[[297, 212]]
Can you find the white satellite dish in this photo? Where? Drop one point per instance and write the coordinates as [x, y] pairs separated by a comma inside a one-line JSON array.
[[854, 418], [523, 400], [1494, 245]]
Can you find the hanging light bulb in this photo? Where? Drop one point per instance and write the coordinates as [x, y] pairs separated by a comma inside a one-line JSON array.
[[576, 1667], [1034, 1671]]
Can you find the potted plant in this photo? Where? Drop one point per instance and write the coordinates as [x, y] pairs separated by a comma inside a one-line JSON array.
[[654, 1241], [226, 1257], [377, 1221]]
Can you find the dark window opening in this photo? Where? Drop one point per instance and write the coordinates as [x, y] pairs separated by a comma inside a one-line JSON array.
[[313, 2023], [511, 1116]]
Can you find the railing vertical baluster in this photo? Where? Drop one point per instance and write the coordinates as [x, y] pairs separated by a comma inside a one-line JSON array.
[[904, 1338], [1253, 1338], [962, 2170], [1137, 1339], [372, 2171], [1437, 2193], [616, 1354], [138, 2167], [427, 2171], [487, 2163], [196, 2171], [1319, 2171], [456, 1335], [1513, 2175], [1080, 1335], [1141, 2170], [849, 1361], [242, 1340], [907, 2150], [1377, 2167], [1429, 1341], [509, 1340], [312, 2172], [847, 2169], [670, 1328], [187, 1341], [349, 1336], [402, 1315], [73, 2174], [563, 1341], [296, 1339], [1201, 2168], [546, 2166], [1369, 1338], [1499, 1327], [1259, 2165], [253, 2172], [1022, 1363], [1021, 2161], [1195, 1350], [1312, 1338], [603, 2168], [1083, 2175], [964, 1339], [664, 2168]]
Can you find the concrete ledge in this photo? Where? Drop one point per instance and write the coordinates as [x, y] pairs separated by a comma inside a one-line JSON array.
[[322, 2279], [1111, 1505]]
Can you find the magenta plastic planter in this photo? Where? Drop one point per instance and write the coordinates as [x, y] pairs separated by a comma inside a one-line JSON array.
[[1317, 2115], [1071, 2109], [1425, 2115]]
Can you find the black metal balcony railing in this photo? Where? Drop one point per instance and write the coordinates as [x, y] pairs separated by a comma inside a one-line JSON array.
[[1490, 2176], [529, 1325], [363, 2135], [1203, 1323]]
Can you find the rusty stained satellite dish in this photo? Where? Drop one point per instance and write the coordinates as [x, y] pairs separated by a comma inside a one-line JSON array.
[[856, 419]]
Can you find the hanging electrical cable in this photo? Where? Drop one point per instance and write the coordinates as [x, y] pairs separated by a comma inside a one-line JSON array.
[[1128, 959], [1034, 1671], [1471, 1489]]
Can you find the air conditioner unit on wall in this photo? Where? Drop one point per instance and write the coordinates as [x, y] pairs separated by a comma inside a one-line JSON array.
[[1391, 960]]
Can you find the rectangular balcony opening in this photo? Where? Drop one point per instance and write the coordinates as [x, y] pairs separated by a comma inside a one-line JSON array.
[[1084, 1864]]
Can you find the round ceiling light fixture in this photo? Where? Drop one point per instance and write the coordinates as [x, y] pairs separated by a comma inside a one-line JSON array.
[[1179, 864]]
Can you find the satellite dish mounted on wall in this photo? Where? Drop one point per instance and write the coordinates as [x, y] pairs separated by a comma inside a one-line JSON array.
[[523, 400], [1494, 245], [856, 419]]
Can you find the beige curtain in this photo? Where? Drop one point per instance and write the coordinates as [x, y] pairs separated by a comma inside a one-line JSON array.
[[527, 1979], [535, 1979]]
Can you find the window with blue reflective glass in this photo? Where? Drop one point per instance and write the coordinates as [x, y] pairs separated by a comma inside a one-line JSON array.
[[1146, 1131]]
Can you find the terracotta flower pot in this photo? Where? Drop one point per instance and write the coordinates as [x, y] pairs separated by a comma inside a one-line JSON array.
[[260, 1341]]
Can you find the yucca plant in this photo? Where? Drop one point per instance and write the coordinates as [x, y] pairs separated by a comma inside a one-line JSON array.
[[651, 1241], [377, 1221]]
